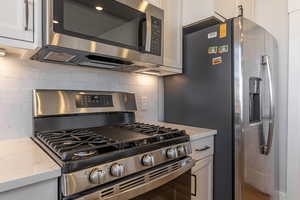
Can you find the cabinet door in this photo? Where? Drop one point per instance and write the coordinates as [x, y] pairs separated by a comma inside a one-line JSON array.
[[202, 179], [249, 8], [155, 2], [195, 11], [16, 20], [227, 9], [173, 33], [294, 5]]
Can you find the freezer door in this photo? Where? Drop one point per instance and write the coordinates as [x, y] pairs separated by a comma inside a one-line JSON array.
[[255, 149]]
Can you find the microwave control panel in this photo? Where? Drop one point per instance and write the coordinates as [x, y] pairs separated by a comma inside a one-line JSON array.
[[156, 36]]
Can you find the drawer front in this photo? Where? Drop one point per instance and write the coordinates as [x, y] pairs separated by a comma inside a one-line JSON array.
[[202, 148], [202, 180]]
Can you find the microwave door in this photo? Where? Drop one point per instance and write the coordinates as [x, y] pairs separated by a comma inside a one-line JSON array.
[[106, 22], [115, 29]]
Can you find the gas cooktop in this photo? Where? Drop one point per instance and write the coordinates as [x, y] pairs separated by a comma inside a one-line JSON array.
[[106, 143]]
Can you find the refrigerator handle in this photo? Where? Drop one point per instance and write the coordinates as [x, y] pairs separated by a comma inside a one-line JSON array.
[[266, 148]]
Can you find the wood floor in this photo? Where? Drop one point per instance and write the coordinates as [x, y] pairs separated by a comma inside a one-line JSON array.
[[253, 194]]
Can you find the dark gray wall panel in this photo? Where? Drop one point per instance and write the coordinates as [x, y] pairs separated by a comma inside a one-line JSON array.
[[202, 97]]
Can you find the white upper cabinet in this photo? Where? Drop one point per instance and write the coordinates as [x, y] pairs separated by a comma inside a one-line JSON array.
[[248, 7], [173, 33], [294, 5], [226, 8], [196, 10], [17, 23], [16, 20], [156, 2]]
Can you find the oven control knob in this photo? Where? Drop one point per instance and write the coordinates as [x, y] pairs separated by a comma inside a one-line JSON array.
[[148, 160], [97, 176], [117, 170], [172, 153], [181, 150]]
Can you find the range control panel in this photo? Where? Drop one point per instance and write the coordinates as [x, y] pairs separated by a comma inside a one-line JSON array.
[[93, 101]]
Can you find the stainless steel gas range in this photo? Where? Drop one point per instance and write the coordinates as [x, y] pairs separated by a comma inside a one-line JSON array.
[[104, 154]]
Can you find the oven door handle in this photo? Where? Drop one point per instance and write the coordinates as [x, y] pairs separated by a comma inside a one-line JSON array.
[[152, 180]]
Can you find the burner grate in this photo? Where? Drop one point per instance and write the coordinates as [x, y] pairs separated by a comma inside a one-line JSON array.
[[78, 144], [148, 129]]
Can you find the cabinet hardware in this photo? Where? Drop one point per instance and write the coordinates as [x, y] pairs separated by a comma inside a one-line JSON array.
[[26, 14], [195, 185], [203, 149]]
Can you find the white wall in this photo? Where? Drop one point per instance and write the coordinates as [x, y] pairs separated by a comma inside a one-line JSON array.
[[293, 181], [19, 77], [273, 16]]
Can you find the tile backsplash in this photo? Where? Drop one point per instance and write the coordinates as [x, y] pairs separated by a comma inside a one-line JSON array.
[[18, 77]]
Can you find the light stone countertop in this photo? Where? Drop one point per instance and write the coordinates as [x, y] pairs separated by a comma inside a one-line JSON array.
[[194, 132], [22, 163]]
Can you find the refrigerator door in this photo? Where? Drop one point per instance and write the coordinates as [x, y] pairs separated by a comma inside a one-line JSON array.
[[255, 149]]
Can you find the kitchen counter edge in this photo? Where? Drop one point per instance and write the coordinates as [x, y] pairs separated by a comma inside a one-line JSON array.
[[24, 163], [195, 133]]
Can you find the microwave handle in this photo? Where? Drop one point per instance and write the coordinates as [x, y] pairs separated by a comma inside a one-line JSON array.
[[148, 33]]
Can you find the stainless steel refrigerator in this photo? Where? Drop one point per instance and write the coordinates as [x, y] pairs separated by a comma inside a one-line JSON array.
[[229, 84]]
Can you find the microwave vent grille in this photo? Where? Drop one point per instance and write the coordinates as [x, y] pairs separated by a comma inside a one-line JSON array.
[[59, 56]]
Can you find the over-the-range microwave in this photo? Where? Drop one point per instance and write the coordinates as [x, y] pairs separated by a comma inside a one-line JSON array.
[[123, 35]]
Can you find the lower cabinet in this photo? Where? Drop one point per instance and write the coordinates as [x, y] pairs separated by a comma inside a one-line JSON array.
[[46, 190], [202, 179], [202, 172]]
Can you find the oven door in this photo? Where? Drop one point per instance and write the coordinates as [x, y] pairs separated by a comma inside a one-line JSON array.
[[170, 181], [128, 29]]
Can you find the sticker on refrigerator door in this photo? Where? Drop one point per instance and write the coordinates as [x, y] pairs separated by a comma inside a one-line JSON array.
[[213, 50], [223, 49], [212, 35], [223, 30], [217, 60]]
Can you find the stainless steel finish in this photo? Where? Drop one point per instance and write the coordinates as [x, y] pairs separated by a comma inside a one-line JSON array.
[[238, 107], [97, 176], [148, 160], [251, 42], [117, 170], [141, 184], [181, 150], [266, 148], [60, 102], [172, 153], [80, 181], [149, 33], [64, 42], [26, 15]]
